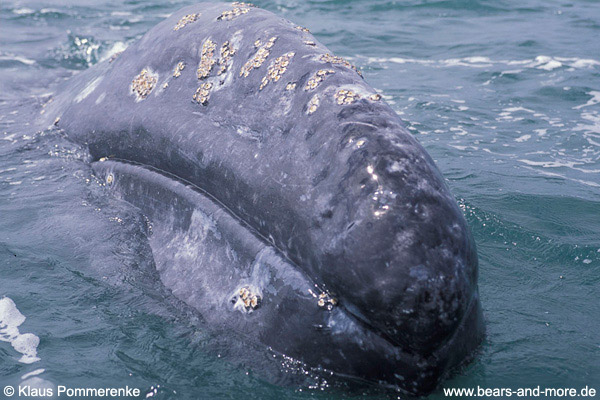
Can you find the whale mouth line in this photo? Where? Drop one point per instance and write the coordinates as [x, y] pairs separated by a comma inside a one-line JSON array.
[[356, 315], [349, 308]]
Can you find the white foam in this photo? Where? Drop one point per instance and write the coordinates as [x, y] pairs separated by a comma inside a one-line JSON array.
[[20, 59], [542, 62], [24, 10], [117, 47], [523, 138], [10, 320], [33, 373], [594, 100]]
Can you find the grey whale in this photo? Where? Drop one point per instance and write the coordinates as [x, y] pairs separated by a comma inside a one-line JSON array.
[[288, 201]]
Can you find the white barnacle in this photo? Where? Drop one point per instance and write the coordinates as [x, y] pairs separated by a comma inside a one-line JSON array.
[[186, 19], [143, 84], [313, 104]]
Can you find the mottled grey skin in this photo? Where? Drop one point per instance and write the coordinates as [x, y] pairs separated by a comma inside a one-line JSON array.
[[340, 195]]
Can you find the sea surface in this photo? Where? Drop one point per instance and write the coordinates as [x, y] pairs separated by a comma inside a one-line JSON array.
[[505, 96]]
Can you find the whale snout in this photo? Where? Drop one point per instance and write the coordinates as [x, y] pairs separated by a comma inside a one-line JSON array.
[[418, 295], [410, 274]]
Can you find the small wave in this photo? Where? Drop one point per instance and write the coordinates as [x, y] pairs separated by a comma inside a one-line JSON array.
[[23, 11], [542, 62], [557, 175], [116, 48], [80, 52], [560, 164], [33, 373], [22, 60], [593, 101], [10, 320]]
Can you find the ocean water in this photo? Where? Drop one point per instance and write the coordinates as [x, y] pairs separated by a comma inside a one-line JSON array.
[[505, 96]]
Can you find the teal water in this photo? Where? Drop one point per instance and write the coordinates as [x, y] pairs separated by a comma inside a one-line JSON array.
[[505, 96]]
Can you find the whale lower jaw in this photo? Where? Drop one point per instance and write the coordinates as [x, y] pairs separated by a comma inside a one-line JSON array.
[[205, 255]]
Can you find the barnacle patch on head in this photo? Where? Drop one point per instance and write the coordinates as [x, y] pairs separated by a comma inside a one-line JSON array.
[[203, 93], [301, 28], [290, 86], [178, 68], [317, 78], [246, 299], [239, 8], [375, 97], [186, 19], [259, 58], [206, 59], [344, 96], [242, 4], [143, 83], [324, 300], [329, 58], [227, 52], [277, 69], [313, 104]]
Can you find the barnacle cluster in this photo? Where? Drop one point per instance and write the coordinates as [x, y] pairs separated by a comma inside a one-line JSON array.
[[227, 51], [247, 298], [309, 43], [375, 97], [238, 9], [206, 59], [344, 96], [317, 78], [259, 58], [178, 68], [186, 19], [301, 28], [326, 301], [203, 93], [329, 58], [277, 69], [290, 86], [143, 84], [313, 104]]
